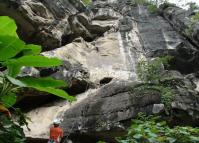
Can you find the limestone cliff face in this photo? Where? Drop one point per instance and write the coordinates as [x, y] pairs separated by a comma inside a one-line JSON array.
[[100, 47]]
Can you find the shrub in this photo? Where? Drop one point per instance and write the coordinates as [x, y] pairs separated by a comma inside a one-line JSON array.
[[152, 8], [150, 72], [153, 130], [87, 2]]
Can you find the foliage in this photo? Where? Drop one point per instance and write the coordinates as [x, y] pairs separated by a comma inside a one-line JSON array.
[[149, 2], [10, 132], [194, 20], [87, 2], [152, 8], [101, 142], [15, 54], [150, 72], [153, 130]]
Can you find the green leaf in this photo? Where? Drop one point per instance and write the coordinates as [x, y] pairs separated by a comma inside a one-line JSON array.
[[7, 26], [13, 70], [10, 47], [16, 81], [32, 49], [43, 82], [58, 92], [137, 136], [9, 100], [36, 61]]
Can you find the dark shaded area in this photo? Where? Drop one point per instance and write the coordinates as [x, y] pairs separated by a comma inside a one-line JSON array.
[[77, 87], [183, 59], [67, 39], [31, 102], [30, 140], [106, 136], [105, 80], [186, 121]]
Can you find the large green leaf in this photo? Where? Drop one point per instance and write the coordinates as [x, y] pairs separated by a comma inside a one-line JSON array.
[[43, 82], [10, 47], [13, 70], [31, 49], [35, 61], [38, 83], [8, 100], [16, 81], [7, 26], [58, 92]]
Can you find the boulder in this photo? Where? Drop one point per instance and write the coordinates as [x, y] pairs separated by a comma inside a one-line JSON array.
[[105, 113]]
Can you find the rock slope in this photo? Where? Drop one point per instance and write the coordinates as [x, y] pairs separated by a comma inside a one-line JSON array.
[[101, 46]]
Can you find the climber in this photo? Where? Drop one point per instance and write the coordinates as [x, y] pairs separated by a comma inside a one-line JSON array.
[[56, 133]]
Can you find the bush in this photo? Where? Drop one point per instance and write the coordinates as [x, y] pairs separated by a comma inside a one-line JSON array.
[[152, 8], [153, 130], [11, 132], [87, 2], [151, 73]]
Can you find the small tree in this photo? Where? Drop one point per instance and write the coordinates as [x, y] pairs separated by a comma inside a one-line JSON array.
[[151, 74]]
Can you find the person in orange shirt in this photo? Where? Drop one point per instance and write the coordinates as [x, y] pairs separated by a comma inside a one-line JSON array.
[[56, 133]]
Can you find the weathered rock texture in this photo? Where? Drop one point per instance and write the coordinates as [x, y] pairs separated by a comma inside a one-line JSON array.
[[104, 46], [51, 23], [182, 21]]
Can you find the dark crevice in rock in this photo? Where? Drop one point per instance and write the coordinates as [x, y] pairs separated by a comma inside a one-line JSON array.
[[36, 140], [187, 119], [78, 86], [105, 80], [31, 102]]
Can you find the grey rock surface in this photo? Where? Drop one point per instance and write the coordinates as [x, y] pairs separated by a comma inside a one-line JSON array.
[[51, 23], [182, 21], [104, 45]]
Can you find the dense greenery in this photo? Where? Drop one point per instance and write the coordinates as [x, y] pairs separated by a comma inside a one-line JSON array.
[[12, 132], [87, 2], [151, 74], [15, 54], [153, 130]]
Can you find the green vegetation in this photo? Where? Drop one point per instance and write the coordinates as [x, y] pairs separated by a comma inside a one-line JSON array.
[[87, 2], [152, 5], [152, 8], [15, 54], [194, 20], [154, 77], [153, 130], [140, 2], [151, 73]]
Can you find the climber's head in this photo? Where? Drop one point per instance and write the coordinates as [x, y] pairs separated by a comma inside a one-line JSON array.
[[56, 122]]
